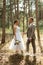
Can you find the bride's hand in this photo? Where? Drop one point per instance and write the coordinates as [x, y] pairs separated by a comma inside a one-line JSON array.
[[22, 34]]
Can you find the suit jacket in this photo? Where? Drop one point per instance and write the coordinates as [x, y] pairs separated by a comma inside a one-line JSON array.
[[31, 31]]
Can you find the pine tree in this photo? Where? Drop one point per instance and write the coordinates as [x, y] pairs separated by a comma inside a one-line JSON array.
[[38, 34], [3, 21]]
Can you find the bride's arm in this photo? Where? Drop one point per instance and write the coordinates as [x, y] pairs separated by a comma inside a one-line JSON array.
[[14, 28], [23, 34]]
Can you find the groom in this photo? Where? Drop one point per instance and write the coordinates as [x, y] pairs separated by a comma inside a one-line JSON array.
[[31, 35]]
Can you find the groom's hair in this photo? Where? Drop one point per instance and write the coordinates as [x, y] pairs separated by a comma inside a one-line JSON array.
[[15, 21]]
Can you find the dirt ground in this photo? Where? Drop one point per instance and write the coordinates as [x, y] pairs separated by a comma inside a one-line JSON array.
[[8, 57]]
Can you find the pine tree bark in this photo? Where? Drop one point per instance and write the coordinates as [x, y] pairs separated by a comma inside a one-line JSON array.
[[11, 18], [16, 4], [38, 34], [24, 17], [17, 9], [28, 8], [3, 21]]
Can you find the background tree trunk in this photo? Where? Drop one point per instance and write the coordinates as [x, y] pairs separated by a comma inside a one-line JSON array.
[[38, 34], [24, 17], [11, 18], [3, 21], [17, 9], [28, 8], [16, 2]]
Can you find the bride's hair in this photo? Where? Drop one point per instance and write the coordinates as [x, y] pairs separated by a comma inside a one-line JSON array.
[[15, 21]]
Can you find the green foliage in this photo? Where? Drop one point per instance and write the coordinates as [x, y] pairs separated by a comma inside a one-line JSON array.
[[21, 12]]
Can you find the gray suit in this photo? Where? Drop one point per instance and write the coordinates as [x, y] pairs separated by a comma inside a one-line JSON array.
[[31, 34], [31, 31]]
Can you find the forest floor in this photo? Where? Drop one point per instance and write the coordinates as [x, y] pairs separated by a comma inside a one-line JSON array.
[[8, 57]]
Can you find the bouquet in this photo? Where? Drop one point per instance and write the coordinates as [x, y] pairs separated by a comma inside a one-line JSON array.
[[17, 42]]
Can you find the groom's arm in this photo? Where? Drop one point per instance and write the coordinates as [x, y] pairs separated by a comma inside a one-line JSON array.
[[33, 31], [27, 32]]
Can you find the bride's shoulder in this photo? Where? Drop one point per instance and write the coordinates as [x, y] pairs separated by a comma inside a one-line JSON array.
[[18, 27], [15, 26]]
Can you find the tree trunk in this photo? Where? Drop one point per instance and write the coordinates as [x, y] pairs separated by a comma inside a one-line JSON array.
[[3, 21], [17, 9], [11, 13], [8, 19], [38, 34], [16, 2], [28, 15], [28, 8], [23, 23], [31, 9], [24, 17]]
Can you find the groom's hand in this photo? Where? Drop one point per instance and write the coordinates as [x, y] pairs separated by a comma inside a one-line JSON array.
[[30, 38]]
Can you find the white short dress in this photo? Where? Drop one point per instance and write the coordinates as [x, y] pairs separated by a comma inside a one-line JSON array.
[[21, 45]]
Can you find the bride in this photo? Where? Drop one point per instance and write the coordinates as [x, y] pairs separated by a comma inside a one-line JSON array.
[[17, 42]]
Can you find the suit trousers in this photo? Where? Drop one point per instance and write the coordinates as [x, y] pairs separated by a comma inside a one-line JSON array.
[[33, 45]]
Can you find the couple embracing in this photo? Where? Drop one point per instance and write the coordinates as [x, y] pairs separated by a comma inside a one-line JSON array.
[[17, 42]]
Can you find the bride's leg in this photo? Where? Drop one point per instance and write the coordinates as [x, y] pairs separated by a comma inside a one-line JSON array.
[[22, 51], [17, 49]]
